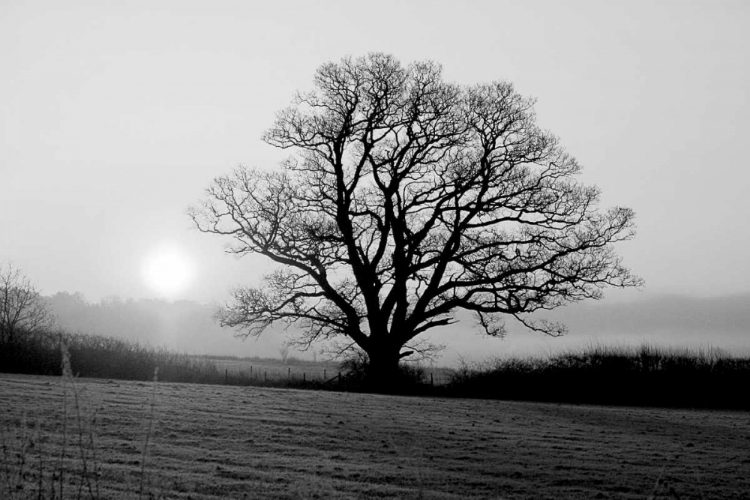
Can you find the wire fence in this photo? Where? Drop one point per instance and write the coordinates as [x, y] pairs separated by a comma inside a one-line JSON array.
[[276, 371]]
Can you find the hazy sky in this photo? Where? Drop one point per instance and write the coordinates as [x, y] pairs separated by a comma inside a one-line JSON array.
[[115, 116]]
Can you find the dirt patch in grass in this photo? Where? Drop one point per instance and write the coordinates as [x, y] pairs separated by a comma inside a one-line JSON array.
[[247, 442]]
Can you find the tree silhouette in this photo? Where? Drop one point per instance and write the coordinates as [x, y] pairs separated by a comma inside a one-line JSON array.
[[22, 309], [405, 200]]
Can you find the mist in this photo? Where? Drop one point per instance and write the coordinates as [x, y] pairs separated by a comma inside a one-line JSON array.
[[665, 320], [674, 321], [183, 326]]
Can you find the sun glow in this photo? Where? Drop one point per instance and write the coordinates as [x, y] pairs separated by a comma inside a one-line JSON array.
[[168, 270]]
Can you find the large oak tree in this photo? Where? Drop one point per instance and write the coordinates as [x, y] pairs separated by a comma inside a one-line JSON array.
[[406, 199]]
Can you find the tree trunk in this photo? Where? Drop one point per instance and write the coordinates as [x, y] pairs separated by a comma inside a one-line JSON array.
[[383, 374]]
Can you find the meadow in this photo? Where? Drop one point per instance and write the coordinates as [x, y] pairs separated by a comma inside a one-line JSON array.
[[96, 438], [99, 426]]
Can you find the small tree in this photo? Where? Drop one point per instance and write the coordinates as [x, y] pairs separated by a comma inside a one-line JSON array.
[[22, 309], [406, 199]]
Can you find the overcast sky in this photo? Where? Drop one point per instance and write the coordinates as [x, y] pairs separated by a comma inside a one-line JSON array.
[[115, 116]]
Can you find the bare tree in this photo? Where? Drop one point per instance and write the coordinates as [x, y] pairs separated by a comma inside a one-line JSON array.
[[407, 199], [22, 309]]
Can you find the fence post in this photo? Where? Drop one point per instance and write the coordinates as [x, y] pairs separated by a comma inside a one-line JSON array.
[[226, 375], [304, 377], [289, 373], [251, 371]]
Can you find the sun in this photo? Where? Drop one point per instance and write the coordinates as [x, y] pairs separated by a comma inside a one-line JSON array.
[[168, 270]]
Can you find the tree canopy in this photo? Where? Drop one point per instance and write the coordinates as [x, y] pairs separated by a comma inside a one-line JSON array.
[[406, 199]]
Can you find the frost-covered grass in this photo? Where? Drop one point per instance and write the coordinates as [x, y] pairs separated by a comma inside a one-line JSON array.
[[210, 442]]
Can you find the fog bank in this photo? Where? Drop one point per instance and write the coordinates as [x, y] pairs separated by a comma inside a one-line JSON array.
[[669, 320]]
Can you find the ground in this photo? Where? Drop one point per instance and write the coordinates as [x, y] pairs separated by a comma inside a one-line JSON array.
[[210, 442]]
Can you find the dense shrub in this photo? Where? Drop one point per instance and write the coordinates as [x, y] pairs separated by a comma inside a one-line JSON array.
[[102, 357], [645, 375], [37, 353]]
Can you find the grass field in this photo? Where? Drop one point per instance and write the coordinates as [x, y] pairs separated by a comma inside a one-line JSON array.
[[210, 442]]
